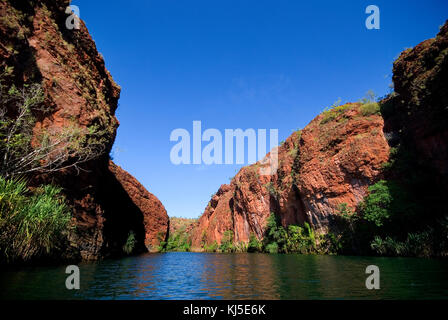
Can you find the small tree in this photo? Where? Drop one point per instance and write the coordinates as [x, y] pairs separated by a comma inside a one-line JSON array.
[[25, 150], [370, 96], [275, 234], [376, 206], [227, 242]]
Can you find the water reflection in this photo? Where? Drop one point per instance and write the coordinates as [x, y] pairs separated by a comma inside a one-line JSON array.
[[241, 276], [232, 276]]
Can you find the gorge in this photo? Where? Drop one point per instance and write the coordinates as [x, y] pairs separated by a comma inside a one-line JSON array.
[[363, 178]]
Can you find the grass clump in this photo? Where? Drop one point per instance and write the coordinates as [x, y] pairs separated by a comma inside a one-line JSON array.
[[32, 224], [416, 244], [129, 245], [370, 108], [333, 112]]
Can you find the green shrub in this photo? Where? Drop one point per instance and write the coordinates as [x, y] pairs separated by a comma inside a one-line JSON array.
[[370, 108], [254, 244], [272, 247], [212, 247], [329, 243], [162, 247], [299, 239], [371, 218], [129, 245], [419, 244], [331, 113], [275, 233], [32, 224], [242, 247], [179, 241], [344, 211], [387, 223], [378, 245], [376, 206], [227, 242]]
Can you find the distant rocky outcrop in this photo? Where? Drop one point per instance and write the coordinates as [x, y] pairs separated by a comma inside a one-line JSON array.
[[184, 225]]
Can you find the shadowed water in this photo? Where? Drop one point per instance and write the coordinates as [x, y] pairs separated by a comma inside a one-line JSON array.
[[233, 276]]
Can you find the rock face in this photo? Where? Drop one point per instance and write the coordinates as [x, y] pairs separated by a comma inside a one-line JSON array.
[[330, 162], [155, 218], [418, 112], [108, 203]]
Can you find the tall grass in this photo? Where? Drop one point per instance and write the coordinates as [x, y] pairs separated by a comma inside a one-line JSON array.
[[32, 224], [129, 245]]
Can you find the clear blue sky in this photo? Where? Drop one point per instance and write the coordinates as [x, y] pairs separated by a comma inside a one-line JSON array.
[[238, 64]]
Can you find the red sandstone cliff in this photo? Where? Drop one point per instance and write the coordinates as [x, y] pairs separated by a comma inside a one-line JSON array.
[[107, 202], [337, 156], [331, 161], [155, 218]]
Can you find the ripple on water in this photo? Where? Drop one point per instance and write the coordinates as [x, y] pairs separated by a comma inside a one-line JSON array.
[[233, 276]]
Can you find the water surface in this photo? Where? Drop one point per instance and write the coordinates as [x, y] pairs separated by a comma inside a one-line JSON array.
[[233, 276]]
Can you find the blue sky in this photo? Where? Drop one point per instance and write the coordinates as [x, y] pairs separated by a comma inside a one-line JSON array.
[[238, 64]]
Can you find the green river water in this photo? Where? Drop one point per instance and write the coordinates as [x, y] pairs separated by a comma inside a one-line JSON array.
[[232, 276]]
